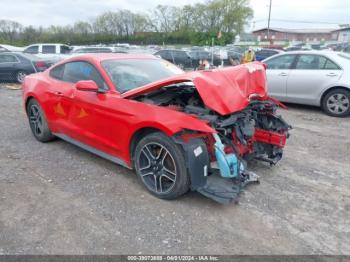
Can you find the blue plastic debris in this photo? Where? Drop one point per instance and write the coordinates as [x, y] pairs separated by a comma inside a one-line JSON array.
[[228, 164]]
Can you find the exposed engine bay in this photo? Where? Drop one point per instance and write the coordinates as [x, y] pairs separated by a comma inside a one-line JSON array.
[[243, 132], [255, 132]]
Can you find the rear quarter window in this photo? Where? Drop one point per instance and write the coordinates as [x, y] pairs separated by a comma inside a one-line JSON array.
[[57, 72]]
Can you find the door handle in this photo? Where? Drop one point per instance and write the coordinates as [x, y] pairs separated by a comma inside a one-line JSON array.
[[283, 74], [332, 74]]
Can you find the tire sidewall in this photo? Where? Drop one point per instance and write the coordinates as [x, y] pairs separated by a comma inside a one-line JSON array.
[[46, 134], [331, 93], [182, 179]]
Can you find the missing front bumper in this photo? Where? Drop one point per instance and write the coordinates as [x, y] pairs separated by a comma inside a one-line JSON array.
[[227, 190]]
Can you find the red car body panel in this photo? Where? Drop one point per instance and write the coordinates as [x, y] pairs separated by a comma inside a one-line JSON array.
[[108, 121], [225, 90], [105, 121]]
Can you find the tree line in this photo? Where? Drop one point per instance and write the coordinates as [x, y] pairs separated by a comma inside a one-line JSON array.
[[194, 24]]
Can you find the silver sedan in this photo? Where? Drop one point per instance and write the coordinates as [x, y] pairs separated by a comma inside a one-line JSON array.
[[320, 78]]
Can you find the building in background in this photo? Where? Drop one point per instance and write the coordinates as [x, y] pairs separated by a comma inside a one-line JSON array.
[[343, 34], [302, 35]]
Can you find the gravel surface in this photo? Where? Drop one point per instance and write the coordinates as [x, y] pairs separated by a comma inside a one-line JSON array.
[[58, 199]]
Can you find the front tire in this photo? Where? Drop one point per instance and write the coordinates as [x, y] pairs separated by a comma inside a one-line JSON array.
[[37, 122], [160, 164], [337, 103]]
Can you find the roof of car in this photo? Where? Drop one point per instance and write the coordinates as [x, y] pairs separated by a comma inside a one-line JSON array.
[[10, 53], [169, 49], [98, 57], [271, 49], [311, 52], [319, 52], [46, 44]]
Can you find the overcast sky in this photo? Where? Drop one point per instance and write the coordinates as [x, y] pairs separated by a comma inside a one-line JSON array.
[[63, 12]]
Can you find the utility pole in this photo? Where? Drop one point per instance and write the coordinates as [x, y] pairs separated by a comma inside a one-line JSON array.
[[268, 22]]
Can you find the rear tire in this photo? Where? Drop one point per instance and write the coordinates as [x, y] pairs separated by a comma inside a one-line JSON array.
[[37, 122], [20, 75], [160, 164], [337, 103]]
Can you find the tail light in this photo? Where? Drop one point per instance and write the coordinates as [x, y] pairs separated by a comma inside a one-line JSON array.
[[40, 64]]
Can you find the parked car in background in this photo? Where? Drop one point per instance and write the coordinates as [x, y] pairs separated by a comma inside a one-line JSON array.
[[177, 57], [319, 78], [92, 50], [236, 49], [346, 49], [198, 55], [265, 53], [86, 50], [10, 48], [233, 57], [54, 52], [15, 66]]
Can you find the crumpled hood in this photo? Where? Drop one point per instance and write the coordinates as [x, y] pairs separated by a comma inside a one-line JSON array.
[[224, 91]]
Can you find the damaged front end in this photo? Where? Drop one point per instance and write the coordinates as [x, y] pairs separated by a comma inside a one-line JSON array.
[[218, 162], [244, 123]]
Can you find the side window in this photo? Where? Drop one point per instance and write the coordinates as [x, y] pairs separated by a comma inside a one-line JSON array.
[[57, 72], [310, 62], [8, 59], [49, 49], [65, 49], [32, 49], [76, 71], [331, 65], [166, 54], [281, 62], [181, 55]]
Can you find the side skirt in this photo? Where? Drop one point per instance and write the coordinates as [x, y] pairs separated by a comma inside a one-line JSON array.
[[92, 150]]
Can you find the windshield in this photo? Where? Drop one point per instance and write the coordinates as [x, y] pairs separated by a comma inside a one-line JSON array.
[[132, 73]]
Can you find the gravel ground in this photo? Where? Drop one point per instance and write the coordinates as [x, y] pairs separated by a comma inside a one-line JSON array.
[[58, 199]]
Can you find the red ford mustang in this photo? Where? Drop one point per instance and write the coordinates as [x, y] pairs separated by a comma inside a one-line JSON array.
[[178, 130]]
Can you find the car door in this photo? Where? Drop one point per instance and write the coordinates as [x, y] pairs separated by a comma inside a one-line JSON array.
[[59, 100], [8, 66], [312, 73], [278, 70], [89, 121]]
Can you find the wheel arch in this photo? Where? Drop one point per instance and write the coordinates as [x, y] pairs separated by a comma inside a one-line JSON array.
[[331, 89], [138, 135], [28, 98]]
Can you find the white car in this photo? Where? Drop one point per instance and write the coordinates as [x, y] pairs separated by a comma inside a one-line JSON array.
[[319, 78], [53, 52]]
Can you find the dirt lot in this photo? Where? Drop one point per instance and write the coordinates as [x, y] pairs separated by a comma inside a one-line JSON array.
[[58, 199]]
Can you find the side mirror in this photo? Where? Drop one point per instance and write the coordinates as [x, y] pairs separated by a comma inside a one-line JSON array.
[[87, 85]]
